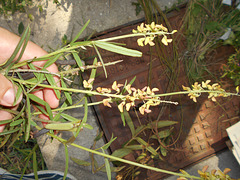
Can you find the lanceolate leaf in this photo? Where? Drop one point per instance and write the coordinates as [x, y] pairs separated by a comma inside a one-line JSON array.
[[66, 93], [118, 49], [80, 162], [80, 32], [109, 143], [68, 117], [129, 122], [51, 61], [108, 168], [52, 82], [42, 102], [35, 165], [121, 152], [161, 124], [78, 60]]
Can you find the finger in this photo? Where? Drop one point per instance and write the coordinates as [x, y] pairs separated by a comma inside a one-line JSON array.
[[4, 116], [8, 92]]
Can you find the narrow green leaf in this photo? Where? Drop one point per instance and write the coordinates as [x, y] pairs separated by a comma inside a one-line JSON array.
[[35, 165], [6, 137], [161, 124], [80, 32], [15, 138], [78, 60], [58, 115], [36, 99], [17, 122], [100, 58], [18, 94], [134, 147], [29, 115], [5, 121], [20, 28], [121, 152], [163, 151], [84, 118], [42, 102], [60, 126], [41, 109], [94, 70], [66, 163], [118, 49], [108, 168], [148, 147], [69, 118], [17, 49], [52, 82], [162, 134], [80, 162], [52, 60], [123, 118], [99, 136], [109, 143], [66, 93], [6, 132], [88, 126], [129, 122]]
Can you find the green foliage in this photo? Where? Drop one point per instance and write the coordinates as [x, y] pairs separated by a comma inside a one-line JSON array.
[[232, 69], [205, 22]]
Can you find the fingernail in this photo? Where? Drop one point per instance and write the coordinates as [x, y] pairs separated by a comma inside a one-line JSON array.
[[8, 98]]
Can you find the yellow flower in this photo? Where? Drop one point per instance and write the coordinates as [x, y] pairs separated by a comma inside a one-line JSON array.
[[205, 84], [140, 41], [165, 40], [106, 103], [103, 90], [121, 105], [88, 84], [116, 86], [129, 105], [128, 88], [149, 40]]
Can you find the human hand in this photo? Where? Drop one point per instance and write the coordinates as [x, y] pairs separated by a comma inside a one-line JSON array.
[[8, 43]]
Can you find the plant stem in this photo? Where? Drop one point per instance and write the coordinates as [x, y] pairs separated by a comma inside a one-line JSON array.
[[123, 160]]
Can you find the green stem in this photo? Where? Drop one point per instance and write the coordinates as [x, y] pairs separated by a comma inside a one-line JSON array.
[[123, 160]]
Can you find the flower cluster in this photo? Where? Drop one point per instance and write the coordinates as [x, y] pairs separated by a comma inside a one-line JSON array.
[[146, 95], [213, 90], [152, 30]]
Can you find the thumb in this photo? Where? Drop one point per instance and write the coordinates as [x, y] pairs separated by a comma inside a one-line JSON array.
[[7, 92]]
